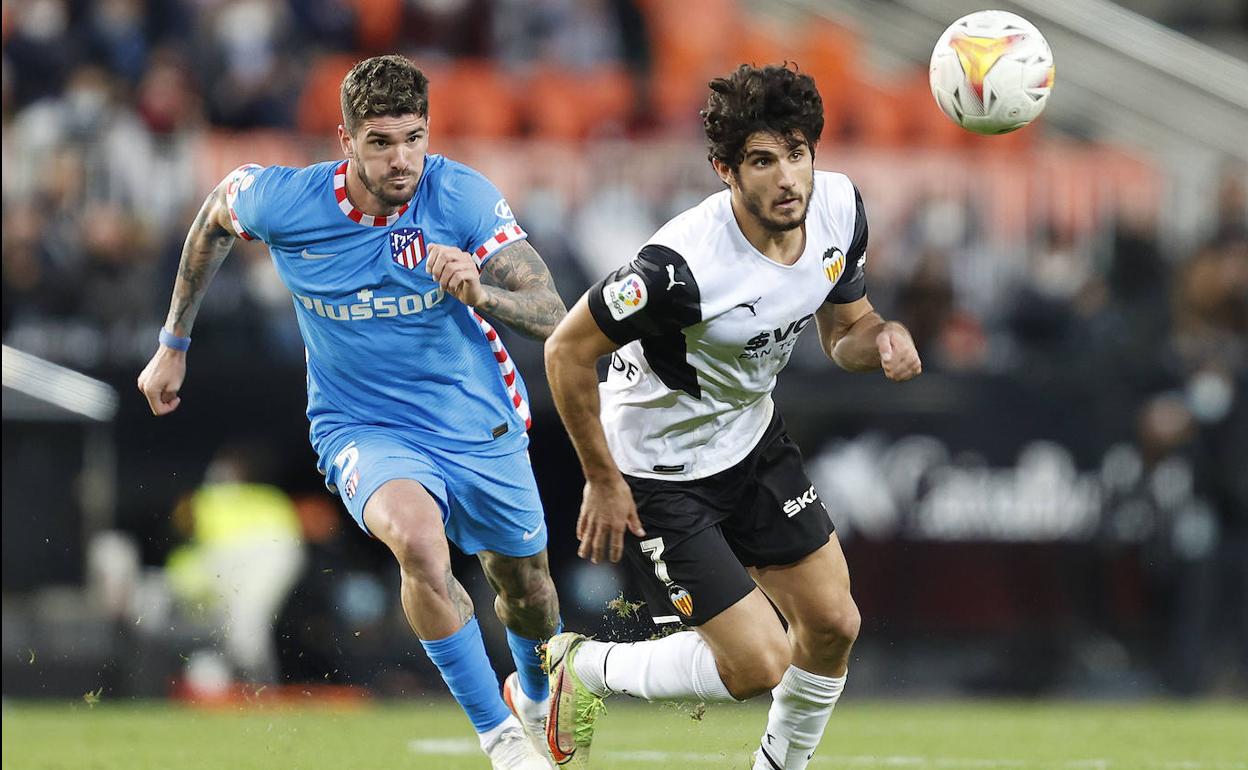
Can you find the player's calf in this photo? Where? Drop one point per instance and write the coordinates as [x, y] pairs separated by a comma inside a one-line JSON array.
[[528, 606], [752, 672], [805, 696], [526, 599], [409, 522], [823, 630], [750, 646]]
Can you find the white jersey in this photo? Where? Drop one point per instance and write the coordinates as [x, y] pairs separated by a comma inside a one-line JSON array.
[[707, 322]]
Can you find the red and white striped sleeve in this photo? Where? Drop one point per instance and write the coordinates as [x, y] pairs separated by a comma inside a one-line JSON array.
[[509, 233], [237, 182]]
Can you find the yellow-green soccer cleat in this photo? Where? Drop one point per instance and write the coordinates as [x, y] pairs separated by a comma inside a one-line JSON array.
[[573, 708]]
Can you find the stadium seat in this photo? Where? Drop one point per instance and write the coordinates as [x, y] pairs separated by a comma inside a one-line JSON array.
[[320, 105], [926, 125], [563, 105], [474, 98], [827, 51], [378, 24], [876, 111], [555, 104], [694, 40], [613, 94]]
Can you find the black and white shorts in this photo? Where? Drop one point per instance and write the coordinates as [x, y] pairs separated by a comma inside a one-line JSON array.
[[702, 534]]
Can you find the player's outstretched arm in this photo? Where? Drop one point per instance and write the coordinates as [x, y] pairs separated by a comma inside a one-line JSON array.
[[208, 242], [514, 287], [607, 507], [859, 340]]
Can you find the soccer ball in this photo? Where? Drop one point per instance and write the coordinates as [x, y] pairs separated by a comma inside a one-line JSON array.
[[991, 72]]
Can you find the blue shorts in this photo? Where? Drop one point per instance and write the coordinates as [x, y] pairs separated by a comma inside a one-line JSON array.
[[489, 503]]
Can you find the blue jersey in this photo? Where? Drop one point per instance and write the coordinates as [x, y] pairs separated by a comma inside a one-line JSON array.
[[386, 346]]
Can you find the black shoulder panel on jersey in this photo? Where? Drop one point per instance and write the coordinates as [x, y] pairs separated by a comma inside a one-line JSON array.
[[652, 295], [652, 299], [853, 286], [667, 353]]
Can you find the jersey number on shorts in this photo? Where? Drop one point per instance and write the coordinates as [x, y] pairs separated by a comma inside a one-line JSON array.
[[654, 549]]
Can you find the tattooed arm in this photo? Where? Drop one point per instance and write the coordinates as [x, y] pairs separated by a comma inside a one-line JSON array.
[[208, 242], [514, 286], [520, 292], [206, 246]]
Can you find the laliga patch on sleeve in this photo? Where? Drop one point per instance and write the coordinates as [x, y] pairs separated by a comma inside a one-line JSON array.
[[625, 296]]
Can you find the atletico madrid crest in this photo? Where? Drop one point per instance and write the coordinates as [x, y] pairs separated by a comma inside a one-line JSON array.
[[407, 246], [681, 599]]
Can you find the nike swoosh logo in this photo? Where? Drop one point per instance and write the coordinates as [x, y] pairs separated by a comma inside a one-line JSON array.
[[309, 255], [557, 752], [527, 536]]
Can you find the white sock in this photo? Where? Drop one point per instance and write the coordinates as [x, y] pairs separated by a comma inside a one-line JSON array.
[[531, 711], [800, 707], [676, 667], [488, 737]]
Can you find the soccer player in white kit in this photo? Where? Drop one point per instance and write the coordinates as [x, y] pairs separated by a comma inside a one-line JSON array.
[[689, 471]]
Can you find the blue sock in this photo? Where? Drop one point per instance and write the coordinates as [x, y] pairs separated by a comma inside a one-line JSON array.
[[466, 669], [529, 664]]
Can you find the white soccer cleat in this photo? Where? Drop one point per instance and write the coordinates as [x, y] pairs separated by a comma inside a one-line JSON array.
[[511, 750], [531, 713]]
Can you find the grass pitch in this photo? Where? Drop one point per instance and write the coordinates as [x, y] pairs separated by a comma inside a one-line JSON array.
[[949, 735]]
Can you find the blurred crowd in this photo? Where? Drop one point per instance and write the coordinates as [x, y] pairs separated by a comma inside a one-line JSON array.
[[115, 114]]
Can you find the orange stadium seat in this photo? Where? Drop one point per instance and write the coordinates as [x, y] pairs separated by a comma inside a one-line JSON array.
[[1015, 142], [320, 108], [875, 111], [555, 104], [694, 40], [613, 94], [378, 24], [925, 124], [564, 105], [826, 51], [474, 98]]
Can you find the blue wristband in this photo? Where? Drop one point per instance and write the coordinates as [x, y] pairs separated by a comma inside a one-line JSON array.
[[171, 340]]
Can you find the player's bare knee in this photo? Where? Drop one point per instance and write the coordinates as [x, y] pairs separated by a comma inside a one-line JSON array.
[[845, 622], [418, 551], [833, 629]]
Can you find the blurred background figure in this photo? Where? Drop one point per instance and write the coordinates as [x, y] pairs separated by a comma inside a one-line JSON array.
[[242, 556]]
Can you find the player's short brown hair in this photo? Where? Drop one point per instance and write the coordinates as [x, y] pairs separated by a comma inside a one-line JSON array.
[[775, 98], [383, 86]]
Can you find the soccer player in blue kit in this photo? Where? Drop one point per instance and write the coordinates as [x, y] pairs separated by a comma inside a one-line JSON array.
[[394, 258]]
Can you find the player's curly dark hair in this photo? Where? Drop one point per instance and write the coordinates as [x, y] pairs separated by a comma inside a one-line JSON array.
[[775, 98], [383, 86]]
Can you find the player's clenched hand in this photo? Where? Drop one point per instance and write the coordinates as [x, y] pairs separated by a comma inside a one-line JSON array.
[[162, 378], [607, 507], [898, 357], [457, 272]]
